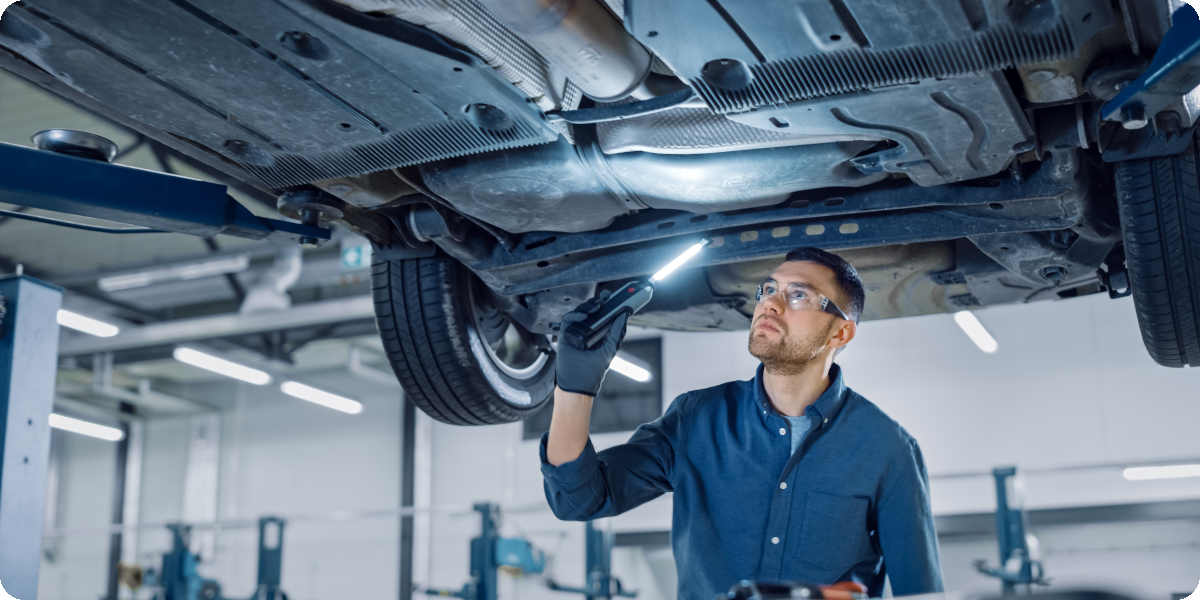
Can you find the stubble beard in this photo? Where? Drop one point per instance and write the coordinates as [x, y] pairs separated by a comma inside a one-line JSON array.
[[787, 355]]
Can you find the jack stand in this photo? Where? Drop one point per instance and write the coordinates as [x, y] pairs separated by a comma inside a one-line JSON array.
[[28, 361], [1017, 565], [489, 554], [600, 581], [180, 580]]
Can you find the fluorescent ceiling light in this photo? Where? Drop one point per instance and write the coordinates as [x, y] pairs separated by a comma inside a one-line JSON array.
[[221, 366], [88, 428], [308, 393], [195, 270], [629, 370], [87, 325], [1161, 472], [678, 261], [976, 331]]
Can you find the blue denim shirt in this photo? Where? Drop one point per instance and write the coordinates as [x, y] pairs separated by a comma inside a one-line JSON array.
[[851, 504]]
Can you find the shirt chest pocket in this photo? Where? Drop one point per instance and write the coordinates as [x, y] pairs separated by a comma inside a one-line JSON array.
[[833, 532]]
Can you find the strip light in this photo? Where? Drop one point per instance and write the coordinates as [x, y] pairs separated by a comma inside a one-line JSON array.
[[196, 270], [678, 261], [976, 331], [629, 369], [88, 428], [221, 366], [86, 324], [1161, 472], [308, 393]]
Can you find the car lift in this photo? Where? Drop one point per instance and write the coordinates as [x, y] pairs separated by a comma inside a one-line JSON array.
[[70, 173], [1017, 565], [600, 584], [28, 361], [491, 553], [179, 579]]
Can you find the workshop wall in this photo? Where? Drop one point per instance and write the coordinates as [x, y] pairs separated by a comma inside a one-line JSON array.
[[279, 455], [1069, 397], [73, 565]]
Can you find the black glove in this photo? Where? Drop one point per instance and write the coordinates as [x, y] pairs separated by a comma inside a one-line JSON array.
[[581, 370]]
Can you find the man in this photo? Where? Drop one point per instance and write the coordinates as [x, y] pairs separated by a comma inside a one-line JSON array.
[[787, 476]]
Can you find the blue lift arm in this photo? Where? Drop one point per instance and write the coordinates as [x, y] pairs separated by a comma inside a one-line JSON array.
[[1174, 71], [148, 199]]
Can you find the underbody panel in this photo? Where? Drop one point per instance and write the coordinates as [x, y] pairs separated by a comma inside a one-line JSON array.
[[293, 92]]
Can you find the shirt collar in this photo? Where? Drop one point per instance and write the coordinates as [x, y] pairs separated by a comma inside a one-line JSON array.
[[827, 404]]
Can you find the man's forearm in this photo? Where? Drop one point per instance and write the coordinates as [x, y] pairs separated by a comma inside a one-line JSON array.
[[568, 426]]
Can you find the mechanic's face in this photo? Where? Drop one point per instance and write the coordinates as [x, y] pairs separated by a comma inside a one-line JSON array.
[[785, 339]]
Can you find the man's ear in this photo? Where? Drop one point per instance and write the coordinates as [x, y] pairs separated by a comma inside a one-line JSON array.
[[842, 335]]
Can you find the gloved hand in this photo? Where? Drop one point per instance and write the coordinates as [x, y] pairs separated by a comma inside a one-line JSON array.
[[581, 370]]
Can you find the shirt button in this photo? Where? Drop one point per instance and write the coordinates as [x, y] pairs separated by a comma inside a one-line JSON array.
[[783, 485], [782, 431], [774, 540], [826, 420]]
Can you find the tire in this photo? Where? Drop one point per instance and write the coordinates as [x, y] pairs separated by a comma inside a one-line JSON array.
[[436, 320], [1159, 204]]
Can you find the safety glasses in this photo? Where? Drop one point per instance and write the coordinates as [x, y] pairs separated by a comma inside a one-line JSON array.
[[800, 297]]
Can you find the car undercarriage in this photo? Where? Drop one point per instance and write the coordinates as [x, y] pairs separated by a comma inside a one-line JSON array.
[[536, 152]]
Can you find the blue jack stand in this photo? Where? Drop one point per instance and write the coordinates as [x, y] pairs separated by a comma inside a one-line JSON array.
[[180, 580], [489, 554], [600, 581], [28, 361], [1017, 566]]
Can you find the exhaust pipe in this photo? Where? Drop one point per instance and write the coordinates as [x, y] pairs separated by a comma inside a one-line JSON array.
[[584, 40], [560, 187]]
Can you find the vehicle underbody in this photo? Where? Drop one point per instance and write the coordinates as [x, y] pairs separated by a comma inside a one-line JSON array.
[[950, 149]]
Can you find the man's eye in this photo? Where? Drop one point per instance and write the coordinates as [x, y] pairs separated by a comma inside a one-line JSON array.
[[797, 294], [768, 290]]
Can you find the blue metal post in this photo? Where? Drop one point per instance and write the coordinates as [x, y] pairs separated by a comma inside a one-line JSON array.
[[483, 553], [28, 362], [598, 557], [1016, 566], [270, 557]]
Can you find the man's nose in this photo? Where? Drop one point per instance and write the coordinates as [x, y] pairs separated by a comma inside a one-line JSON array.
[[774, 304]]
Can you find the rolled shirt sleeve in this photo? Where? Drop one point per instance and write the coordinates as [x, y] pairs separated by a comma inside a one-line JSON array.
[[906, 530], [602, 484]]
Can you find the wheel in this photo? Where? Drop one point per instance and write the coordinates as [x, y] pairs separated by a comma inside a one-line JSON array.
[[459, 357], [1159, 204]]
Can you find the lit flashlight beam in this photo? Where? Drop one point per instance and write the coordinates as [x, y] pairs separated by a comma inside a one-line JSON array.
[[678, 261]]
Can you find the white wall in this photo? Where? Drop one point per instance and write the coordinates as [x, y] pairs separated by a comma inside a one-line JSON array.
[[277, 455], [76, 565], [1148, 559], [1071, 386]]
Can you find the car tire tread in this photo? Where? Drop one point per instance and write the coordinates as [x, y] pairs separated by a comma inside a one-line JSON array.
[[423, 325], [1159, 204]]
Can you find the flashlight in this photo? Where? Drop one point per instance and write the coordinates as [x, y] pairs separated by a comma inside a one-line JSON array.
[[630, 298]]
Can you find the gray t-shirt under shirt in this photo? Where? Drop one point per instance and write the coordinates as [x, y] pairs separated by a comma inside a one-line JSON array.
[[800, 426]]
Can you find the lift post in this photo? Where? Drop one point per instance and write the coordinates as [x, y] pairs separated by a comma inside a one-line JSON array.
[[28, 361], [1017, 566]]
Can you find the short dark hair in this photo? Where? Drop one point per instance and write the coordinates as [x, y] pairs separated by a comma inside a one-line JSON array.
[[844, 273]]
